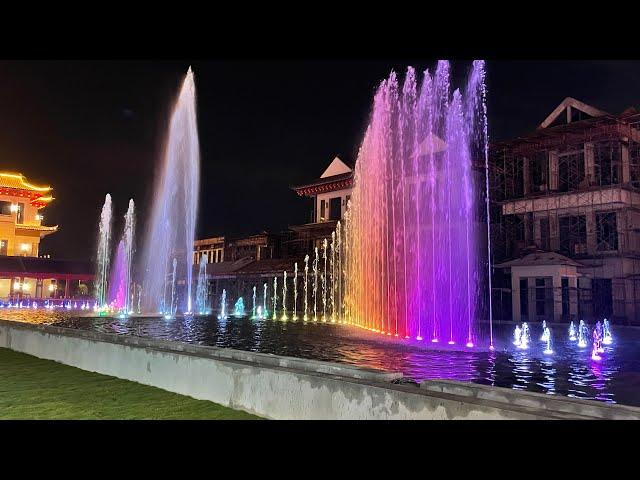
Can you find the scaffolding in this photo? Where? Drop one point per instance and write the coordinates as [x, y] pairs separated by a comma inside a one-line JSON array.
[[573, 189]]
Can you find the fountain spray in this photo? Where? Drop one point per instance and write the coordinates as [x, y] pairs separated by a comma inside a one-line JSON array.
[[295, 291], [253, 310], [104, 238], [265, 313], [284, 296], [324, 281], [315, 285], [306, 278], [275, 297], [333, 277]]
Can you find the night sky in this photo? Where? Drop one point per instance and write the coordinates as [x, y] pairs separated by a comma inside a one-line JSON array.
[[88, 128]]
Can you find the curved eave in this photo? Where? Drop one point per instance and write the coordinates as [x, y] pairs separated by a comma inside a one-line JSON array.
[[43, 229], [312, 190], [41, 202]]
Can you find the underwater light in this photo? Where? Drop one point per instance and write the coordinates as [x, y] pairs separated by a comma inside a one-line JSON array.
[[419, 338], [470, 344], [434, 340], [451, 342]]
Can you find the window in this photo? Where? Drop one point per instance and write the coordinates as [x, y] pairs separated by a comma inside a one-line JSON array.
[[545, 234], [607, 163], [3, 247], [335, 208], [322, 210], [570, 170], [634, 163], [573, 235], [539, 171], [606, 231], [565, 298], [20, 214], [5, 208]]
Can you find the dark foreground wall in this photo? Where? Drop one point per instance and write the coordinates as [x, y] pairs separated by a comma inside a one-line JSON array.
[[287, 388]]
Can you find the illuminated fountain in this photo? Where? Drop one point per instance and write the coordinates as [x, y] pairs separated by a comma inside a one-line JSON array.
[[583, 334], [173, 218], [295, 291], [103, 255], [597, 343], [275, 297], [332, 295], [607, 338], [315, 285], [517, 336], [238, 308], [324, 281], [253, 310], [117, 282], [306, 280], [545, 332], [264, 312], [547, 338], [525, 337], [120, 283], [223, 305], [411, 245], [572, 332], [202, 286], [284, 296]]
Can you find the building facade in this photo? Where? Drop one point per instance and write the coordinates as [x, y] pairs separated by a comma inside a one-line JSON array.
[[566, 218], [24, 274]]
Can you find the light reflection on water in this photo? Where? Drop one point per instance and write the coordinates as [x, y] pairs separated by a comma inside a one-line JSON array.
[[569, 371]]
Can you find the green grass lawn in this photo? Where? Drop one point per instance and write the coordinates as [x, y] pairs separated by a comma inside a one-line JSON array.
[[32, 388]]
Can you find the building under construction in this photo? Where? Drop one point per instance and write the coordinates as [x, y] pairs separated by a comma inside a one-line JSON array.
[[566, 218]]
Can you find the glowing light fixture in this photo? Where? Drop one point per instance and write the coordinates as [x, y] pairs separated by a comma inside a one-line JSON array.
[[25, 247], [13, 208]]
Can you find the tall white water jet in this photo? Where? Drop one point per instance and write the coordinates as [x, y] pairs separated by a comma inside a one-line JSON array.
[[315, 285], [223, 305], [306, 279], [324, 281], [103, 254], [340, 273], [333, 277], [174, 303], [284, 296], [201, 289], [128, 239], [264, 301], [173, 219], [295, 291], [275, 296], [253, 310]]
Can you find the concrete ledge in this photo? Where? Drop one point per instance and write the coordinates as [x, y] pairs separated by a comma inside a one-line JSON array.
[[269, 385], [557, 403]]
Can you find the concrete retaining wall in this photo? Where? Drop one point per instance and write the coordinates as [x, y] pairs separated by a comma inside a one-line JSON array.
[[280, 387]]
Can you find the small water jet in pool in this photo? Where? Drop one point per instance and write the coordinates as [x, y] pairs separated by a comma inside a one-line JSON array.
[[295, 291], [547, 338], [525, 337], [324, 281], [517, 335], [275, 297], [598, 333], [572, 332], [264, 313], [607, 338], [253, 310], [223, 305], [315, 285], [306, 280], [583, 333], [284, 297], [544, 327], [201, 288], [238, 308]]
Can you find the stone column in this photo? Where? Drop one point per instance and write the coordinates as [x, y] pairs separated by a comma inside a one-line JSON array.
[[573, 297]]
